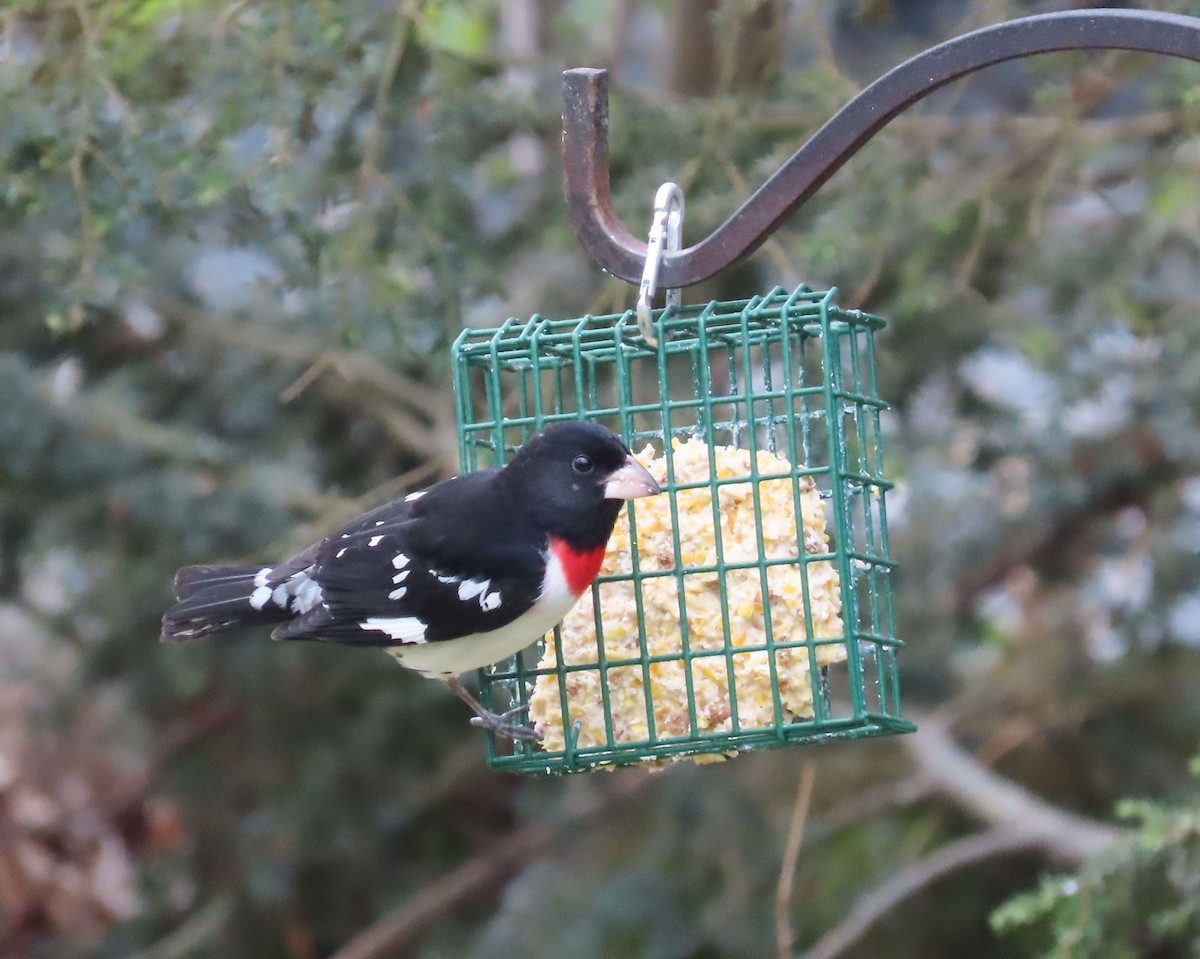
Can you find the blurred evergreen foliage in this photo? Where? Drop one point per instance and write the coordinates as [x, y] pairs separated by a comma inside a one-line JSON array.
[[236, 239], [1140, 898]]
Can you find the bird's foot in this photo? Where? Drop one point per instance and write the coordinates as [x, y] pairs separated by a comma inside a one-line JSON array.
[[499, 723]]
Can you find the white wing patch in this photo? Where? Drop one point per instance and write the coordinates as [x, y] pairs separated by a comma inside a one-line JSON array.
[[479, 587], [262, 592], [375, 541], [404, 629], [401, 576], [472, 588], [306, 593], [400, 561], [413, 497], [298, 594], [398, 593]]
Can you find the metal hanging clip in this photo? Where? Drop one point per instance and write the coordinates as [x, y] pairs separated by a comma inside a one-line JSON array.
[[666, 232]]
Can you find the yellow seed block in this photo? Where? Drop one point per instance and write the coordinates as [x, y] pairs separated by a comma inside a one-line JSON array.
[[707, 683]]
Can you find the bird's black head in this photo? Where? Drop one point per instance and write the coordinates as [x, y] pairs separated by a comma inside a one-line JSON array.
[[573, 479]]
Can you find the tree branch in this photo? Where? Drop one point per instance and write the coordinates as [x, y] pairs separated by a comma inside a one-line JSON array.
[[868, 804], [785, 935], [482, 873], [1017, 821], [924, 872], [1068, 837]]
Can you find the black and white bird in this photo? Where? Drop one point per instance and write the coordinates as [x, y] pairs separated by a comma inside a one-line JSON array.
[[448, 579]]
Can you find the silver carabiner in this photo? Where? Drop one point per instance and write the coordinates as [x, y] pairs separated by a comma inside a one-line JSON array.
[[666, 231]]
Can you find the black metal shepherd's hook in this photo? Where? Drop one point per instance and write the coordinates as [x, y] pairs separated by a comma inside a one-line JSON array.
[[585, 132]]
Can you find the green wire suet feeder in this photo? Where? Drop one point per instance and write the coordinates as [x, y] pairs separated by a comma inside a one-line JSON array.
[[762, 417], [670, 659]]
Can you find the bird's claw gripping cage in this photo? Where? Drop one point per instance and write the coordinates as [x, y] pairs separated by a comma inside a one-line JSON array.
[[748, 606]]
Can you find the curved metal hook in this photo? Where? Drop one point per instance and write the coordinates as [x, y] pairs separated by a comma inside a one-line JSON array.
[[585, 131]]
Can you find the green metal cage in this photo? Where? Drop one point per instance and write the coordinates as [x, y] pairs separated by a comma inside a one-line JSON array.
[[693, 650]]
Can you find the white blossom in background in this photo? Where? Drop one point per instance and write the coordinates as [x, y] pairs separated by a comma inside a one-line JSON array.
[[1184, 620], [1006, 379]]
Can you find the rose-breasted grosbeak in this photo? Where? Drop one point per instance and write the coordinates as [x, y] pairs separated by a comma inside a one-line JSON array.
[[449, 579]]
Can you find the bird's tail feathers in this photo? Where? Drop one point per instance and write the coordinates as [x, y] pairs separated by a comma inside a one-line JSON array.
[[213, 599]]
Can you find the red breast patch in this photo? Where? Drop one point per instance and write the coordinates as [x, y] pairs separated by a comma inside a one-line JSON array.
[[579, 566]]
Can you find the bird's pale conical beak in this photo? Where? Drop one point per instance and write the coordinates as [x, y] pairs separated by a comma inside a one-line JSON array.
[[631, 481]]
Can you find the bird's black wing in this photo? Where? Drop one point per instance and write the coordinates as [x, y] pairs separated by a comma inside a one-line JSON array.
[[390, 514], [436, 566]]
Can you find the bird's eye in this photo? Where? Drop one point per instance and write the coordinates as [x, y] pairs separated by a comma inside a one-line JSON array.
[[582, 464]]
